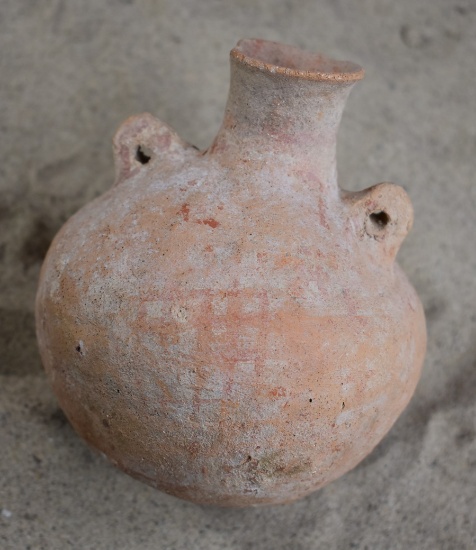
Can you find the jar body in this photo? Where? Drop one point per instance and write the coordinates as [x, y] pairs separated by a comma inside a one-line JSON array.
[[222, 340]]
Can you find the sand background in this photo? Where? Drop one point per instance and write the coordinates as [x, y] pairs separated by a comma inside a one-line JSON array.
[[70, 72]]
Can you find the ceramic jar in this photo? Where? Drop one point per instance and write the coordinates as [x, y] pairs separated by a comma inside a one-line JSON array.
[[228, 325]]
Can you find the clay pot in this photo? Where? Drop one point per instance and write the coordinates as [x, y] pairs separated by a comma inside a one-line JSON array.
[[228, 325]]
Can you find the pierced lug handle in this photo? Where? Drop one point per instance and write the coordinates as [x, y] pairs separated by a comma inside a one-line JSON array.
[[383, 215], [143, 140]]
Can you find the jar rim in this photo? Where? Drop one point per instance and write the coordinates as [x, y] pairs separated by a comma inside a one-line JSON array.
[[283, 59]]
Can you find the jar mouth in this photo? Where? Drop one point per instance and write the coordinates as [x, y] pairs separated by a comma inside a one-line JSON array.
[[277, 58]]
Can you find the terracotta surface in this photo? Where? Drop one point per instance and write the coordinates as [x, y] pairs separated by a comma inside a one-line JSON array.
[[228, 325]]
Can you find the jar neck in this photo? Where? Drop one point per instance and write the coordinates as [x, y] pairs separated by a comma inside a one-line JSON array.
[[291, 120]]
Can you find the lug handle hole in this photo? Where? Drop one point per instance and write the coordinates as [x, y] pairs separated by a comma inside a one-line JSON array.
[[143, 154], [380, 219]]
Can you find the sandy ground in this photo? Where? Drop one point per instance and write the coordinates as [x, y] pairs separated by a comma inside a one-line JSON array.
[[70, 73]]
